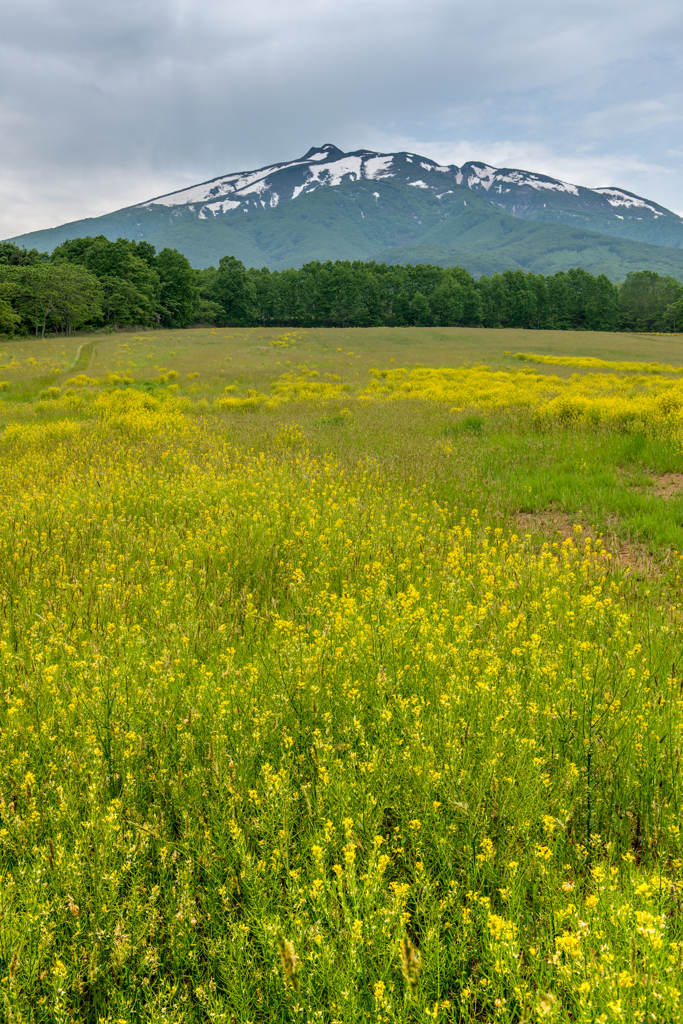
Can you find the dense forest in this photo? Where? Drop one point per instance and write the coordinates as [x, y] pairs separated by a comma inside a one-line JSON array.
[[95, 284]]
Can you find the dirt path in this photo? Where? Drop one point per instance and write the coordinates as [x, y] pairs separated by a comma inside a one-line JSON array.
[[83, 358]]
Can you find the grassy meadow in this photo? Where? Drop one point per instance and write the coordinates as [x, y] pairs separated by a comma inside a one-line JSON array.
[[341, 677]]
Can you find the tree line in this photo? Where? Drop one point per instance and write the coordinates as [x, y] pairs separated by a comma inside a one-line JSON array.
[[94, 283]]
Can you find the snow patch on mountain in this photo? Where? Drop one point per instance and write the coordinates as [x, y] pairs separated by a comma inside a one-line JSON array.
[[482, 175], [615, 197], [336, 171], [378, 167], [551, 184], [259, 188], [220, 207]]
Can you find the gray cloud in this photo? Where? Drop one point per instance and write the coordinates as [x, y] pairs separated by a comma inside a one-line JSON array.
[[107, 104]]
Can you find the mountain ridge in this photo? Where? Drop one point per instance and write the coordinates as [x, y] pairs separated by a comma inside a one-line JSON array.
[[365, 204]]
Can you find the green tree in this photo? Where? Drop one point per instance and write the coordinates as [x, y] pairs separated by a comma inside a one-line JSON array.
[[448, 304], [234, 291], [13, 256], [78, 297], [471, 311], [131, 285], [123, 303], [36, 296], [673, 316], [265, 284], [420, 313], [10, 320], [179, 291], [644, 299], [74, 250], [145, 251], [559, 302], [60, 295], [591, 303], [509, 300]]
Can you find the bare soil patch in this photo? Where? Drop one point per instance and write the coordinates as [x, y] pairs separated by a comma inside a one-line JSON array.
[[558, 526], [554, 522], [661, 485], [668, 485]]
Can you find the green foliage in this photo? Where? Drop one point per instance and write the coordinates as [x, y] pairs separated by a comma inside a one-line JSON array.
[[234, 291], [9, 320], [61, 296], [574, 300], [207, 312], [420, 313], [345, 294], [131, 287], [649, 302], [179, 292], [448, 304], [12, 255], [139, 287]]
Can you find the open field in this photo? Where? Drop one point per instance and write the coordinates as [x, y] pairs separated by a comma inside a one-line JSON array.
[[341, 677], [612, 481], [214, 350]]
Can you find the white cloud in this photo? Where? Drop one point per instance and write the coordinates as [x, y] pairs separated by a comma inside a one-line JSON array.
[[633, 117]]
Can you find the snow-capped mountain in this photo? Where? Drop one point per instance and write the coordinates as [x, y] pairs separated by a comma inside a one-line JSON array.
[[522, 193], [398, 208]]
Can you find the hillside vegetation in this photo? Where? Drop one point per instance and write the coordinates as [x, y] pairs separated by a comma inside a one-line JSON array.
[[341, 676]]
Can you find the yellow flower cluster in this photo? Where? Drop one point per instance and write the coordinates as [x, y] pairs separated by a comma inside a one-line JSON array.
[[646, 400], [619, 401], [593, 363], [287, 340], [289, 387]]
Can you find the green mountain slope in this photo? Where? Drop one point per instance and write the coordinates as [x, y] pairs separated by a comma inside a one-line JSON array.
[[539, 248], [654, 232]]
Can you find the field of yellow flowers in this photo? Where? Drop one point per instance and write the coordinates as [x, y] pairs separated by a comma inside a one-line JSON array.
[[299, 724]]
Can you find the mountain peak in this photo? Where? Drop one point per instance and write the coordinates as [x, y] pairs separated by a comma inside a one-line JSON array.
[[323, 152]]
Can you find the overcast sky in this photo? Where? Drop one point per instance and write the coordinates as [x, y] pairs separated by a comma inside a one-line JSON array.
[[104, 104]]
